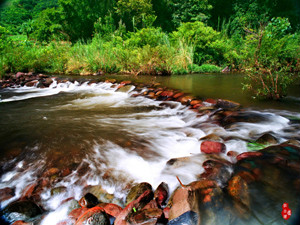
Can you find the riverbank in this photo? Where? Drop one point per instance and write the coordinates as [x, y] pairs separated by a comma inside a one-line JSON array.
[[233, 187]]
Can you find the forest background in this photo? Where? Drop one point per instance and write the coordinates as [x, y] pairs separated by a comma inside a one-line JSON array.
[[157, 37]]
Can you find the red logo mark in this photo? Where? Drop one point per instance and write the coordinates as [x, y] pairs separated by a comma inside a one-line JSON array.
[[286, 211]]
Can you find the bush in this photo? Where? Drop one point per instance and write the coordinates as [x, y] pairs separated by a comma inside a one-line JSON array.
[[203, 39]]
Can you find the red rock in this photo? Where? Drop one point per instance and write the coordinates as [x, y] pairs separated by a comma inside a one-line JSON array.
[[6, 193], [167, 94], [166, 212], [210, 100], [112, 209], [247, 176], [177, 95], [151, 94], [151, 205], [232, 154], [196, 106], [21, 222], [31, 83], [65, 172], [50, 172], [195, 102], [180, 203], [120, 85], [185, 99], [210, 147], [125, 82], [146, 216], [95, 215], [158, 92], [121, 218], [76, 213], [246, 155], [19, 74], [161, 193], [28, 191]]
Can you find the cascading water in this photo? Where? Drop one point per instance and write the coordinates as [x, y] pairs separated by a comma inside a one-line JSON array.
[[107, 137]]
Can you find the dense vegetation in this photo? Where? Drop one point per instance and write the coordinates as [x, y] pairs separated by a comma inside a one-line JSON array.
[[260, 37]]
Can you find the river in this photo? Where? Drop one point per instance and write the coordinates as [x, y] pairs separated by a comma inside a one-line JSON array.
[[108, 138]]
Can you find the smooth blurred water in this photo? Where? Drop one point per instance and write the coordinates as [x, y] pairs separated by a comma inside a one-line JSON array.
[[96, 130]]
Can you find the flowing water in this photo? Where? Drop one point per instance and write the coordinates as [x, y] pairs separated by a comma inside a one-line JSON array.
[[109, 138]]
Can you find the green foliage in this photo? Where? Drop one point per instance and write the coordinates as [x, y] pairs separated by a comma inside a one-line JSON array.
[[135, 13], [47, 26], [203, 39], [205, 68], [189, 10], [147, 36]]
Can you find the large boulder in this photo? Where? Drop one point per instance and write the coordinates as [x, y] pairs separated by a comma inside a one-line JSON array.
[[136, 191], [21, 210]]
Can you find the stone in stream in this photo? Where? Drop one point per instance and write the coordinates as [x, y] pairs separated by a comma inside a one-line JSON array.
[[210, 147], [267, 139], [227, 104], [188, 218], [161, 193], [21, 210], [150, 216], [93, 216], [58, 190], [135, 205], [6, 193], [136, 191], [111, 209], [212, 137], [88, 201]]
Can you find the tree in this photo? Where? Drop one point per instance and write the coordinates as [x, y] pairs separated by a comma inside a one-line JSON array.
[[189, 10], [134, 12], [78, 17]]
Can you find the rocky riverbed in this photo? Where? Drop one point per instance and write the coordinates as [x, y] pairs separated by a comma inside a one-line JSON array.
[[233, 187]]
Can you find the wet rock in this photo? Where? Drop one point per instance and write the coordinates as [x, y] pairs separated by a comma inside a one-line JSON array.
[[137, 190], [76, 213], [58, 190], [212, 137], [248, 117], [189, 218], [238, 190], [246, 155], [125, 89], [29, 191], [19, 74], [21, 210], [232, 154], [21, 222], [101, 194], [110, 81], [31, 83], [112, 209], [126, 82], [6, 193], [167, 94], [47, 82], [226, 104], [151, 205], [210, 147], [185, 100], [148, 216], [161, 194], [211, 101], [50, 172], [178, 162], [180, 203], [88, 201], [195, 102], [267, 139], [93, 216], [178, 95], [137, 204], [226, 70]]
